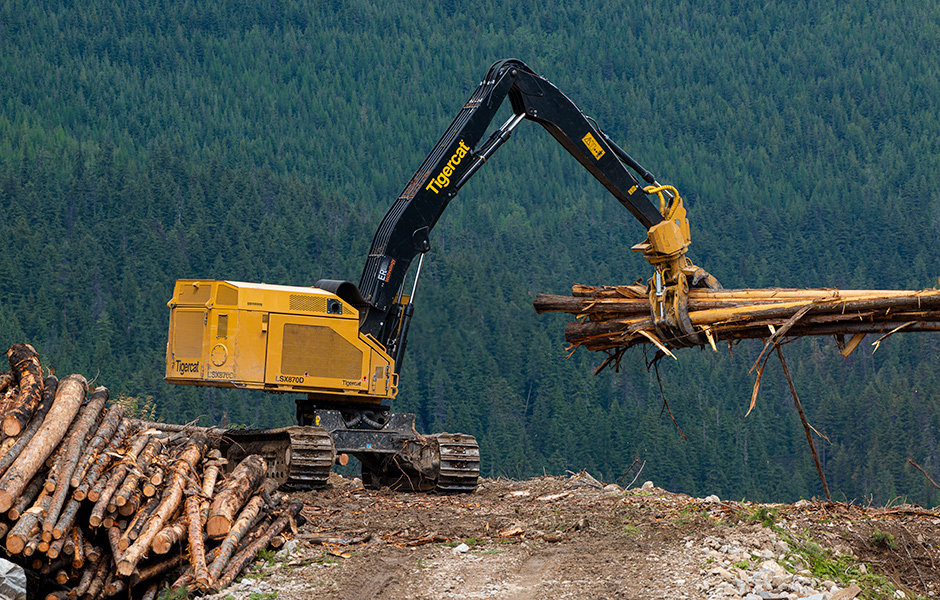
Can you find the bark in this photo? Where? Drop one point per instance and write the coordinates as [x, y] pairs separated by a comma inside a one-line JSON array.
[[131, 482], [137, 524], [68, 399], [247, 555], [107, 429], [73, 452], [197, 548], [26, 499], [102, 492], [66, 519], [26, 525], [78, 543], [56, 548], [157, 569], [131, 505], [245, 521], [103, 461], [48, 396], [181, 469], [169, 536], [24, 363], [88, 576], [101, 576], [241, 484]]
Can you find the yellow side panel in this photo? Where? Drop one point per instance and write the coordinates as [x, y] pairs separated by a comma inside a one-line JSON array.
[[320, 352]]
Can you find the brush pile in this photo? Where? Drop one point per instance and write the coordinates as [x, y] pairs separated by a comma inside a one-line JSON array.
[[614, 318], [96, 504]]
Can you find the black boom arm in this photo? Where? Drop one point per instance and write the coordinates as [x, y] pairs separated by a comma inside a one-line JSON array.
[[403, 233]]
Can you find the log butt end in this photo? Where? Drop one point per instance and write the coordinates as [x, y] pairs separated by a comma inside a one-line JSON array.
[[6, 501], [15, 544], [125, 568], [218, 526], [12, 426]]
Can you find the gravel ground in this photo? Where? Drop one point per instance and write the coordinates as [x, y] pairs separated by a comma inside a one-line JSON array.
[[574, 538]]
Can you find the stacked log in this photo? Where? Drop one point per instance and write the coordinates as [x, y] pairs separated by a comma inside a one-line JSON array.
[[613, 318], [82, 505]]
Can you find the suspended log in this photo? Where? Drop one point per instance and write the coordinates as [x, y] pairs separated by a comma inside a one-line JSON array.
[[618, 317], [241, 483], [24, 364]]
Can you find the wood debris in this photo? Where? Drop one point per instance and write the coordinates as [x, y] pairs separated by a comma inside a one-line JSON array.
[[614, 318], [81, 500]]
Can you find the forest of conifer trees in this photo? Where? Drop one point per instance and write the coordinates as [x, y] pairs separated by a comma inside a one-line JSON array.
[[145, 142]]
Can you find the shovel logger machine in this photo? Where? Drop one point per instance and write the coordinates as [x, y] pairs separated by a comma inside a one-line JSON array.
[[340, 346]]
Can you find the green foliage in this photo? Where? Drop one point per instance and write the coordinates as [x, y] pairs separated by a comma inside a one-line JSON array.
[[882, 539], [765, 516], [180, 593], [263, 142]]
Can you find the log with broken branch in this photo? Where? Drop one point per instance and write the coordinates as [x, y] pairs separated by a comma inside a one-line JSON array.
[[613, 318]]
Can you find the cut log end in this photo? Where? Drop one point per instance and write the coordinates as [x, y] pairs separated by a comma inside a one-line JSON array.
[[12, 427], [6, 501], [125, 568], [218, 525]]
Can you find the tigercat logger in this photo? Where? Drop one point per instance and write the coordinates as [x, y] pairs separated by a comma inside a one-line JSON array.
[[341, 346]]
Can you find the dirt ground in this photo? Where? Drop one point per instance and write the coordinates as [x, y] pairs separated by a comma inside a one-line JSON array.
[[572, 537]]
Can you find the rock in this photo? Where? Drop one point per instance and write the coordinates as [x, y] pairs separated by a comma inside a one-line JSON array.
[[713, 499], [848, 593], [648, 486], [12, 581], [613, 489], [461, 549]]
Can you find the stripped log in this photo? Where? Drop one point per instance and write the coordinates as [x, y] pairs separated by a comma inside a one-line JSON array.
[[28, 526], [78, 545], [181, 470], [197, 548], [72, 453], [68, 399], [102, 462], [241, 484], [24, 364], [132, 480], [48, 396], [107, 429], [247, 519], [248, 554], [26, 499]]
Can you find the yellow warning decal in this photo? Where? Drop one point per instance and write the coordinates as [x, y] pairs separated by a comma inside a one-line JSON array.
[[593, 146]]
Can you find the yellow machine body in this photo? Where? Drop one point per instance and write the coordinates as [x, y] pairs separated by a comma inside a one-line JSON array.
[[274, 338]]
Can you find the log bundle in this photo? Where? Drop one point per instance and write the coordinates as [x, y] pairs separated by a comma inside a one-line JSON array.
[[99, 505], [613, 318]]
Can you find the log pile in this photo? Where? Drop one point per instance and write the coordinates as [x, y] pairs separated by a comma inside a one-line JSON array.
[[99, 505], [614, 318]]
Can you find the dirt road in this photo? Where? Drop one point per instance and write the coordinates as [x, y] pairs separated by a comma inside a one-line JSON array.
[[571, 537]]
